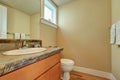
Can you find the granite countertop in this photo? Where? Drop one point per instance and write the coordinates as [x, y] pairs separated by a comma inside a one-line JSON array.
[[11, 63]]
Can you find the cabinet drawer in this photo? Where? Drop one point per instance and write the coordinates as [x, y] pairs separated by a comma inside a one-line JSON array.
[[32, 71], [53, 74]]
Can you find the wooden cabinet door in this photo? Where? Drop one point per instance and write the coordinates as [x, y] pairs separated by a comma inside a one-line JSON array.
[[53, 74]]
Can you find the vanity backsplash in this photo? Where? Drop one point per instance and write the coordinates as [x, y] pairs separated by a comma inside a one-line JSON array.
[[9, 44]]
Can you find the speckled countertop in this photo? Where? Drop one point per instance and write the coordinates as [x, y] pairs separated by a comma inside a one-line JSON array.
[[10, 63]]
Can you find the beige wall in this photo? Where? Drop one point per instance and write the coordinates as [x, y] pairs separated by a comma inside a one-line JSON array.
[[35, 26], [84, 33], [17, 21], [48, 35], [43, 32], [115, 48]]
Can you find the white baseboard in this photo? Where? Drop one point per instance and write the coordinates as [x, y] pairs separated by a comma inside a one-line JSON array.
[[94, 72]]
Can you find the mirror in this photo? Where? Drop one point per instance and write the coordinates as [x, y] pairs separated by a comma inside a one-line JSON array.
[[22, 18]]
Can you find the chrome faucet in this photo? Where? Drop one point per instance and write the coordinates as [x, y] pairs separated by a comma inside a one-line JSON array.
[[24, 45]]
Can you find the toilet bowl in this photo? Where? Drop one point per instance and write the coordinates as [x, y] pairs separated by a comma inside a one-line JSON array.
[[67, 66]]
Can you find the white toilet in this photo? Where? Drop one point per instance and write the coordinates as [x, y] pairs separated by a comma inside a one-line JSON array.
[[67, 66]]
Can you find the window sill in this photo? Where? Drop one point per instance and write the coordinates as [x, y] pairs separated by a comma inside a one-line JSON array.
[[44, 21]]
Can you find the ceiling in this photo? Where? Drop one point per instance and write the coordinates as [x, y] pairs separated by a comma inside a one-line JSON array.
[[29, 6]]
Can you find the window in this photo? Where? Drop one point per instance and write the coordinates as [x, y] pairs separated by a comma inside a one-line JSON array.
[[49, 12]]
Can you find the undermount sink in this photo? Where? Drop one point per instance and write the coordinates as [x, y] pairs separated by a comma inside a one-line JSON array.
[[24, 51]]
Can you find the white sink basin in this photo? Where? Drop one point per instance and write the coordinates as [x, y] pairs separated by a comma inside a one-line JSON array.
[[24, 51]]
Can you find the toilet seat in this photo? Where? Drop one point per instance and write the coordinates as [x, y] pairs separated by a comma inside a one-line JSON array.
[[67, 62]]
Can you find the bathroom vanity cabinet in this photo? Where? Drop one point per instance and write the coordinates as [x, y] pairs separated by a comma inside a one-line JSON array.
[[46, 69]]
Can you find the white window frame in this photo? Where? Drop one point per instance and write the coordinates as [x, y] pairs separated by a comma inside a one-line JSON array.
[[45, 21]]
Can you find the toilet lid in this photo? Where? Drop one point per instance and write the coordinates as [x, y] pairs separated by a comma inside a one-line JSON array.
[[67, 61]]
